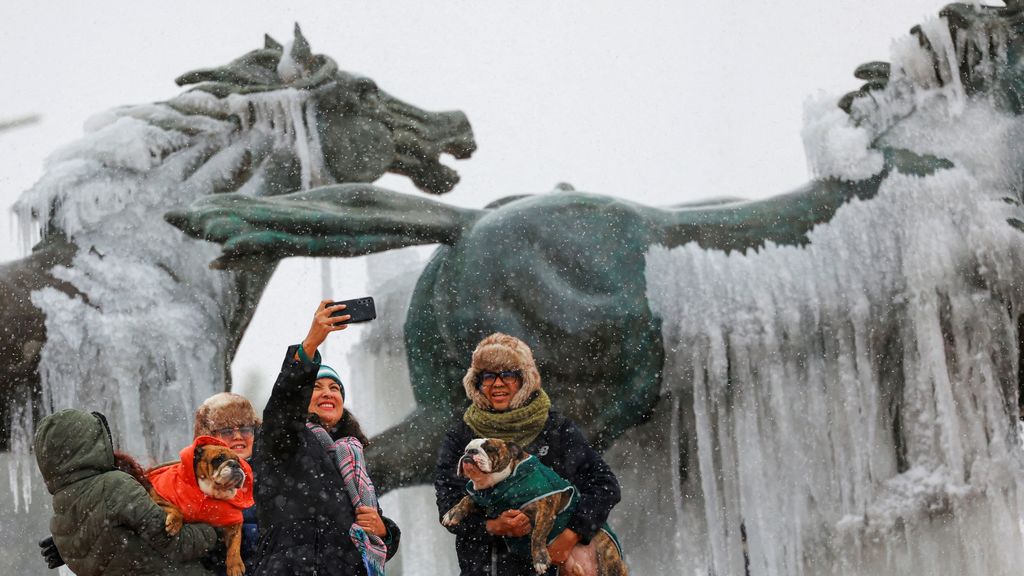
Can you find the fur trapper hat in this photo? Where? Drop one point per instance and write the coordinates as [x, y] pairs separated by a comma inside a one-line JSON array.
[[496, 353], [224, 410]]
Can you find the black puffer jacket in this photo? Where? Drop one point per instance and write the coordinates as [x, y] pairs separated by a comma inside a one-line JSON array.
[[562, 447], [303, 510]]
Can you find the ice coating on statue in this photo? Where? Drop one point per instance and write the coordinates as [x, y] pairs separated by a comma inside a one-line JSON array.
[[834, 145], [146, 342], [855, 400]]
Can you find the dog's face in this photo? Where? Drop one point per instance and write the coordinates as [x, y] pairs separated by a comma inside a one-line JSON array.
[[488, 461], [218, 471]]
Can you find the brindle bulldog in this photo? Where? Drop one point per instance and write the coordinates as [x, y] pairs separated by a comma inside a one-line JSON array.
[[210, 484], [503, 477]]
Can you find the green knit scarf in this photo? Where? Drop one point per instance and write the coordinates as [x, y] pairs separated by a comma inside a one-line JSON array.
[[521, 425]]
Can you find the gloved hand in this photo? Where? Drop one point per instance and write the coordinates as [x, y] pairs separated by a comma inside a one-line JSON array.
[[50, 553]]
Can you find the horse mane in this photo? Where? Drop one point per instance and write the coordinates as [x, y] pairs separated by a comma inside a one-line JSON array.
[[207, 140], [273, 67]]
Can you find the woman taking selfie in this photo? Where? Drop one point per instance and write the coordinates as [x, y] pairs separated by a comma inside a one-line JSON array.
[[314, 520]]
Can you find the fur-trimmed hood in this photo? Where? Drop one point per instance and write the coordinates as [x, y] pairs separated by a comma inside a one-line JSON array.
[[499, 352]]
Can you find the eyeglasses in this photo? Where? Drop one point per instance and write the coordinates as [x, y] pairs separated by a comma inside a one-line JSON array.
[[245, 431], [509, 377]]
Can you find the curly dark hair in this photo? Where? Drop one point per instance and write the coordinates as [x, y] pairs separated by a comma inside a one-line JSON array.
[[125, 463], [347, 426]]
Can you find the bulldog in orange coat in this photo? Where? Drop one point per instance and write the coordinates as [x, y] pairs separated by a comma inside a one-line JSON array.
[[210, 484]]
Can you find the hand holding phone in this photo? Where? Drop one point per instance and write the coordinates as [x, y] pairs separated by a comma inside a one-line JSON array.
[[323, 325], [359, 310]]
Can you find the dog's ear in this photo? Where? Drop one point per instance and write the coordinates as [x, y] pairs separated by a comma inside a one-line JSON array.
[[458, 470], [197, 457], [515, 453]]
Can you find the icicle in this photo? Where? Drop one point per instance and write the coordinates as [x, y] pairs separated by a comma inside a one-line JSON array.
[[675, 464], [289, 115], [21, 464]]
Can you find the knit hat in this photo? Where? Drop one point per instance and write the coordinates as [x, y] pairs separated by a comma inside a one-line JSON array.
[[224, 410], [496, 353], [328, 372]]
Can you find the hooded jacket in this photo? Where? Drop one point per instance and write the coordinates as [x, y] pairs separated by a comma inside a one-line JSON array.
[[303, 509], [178, 484], [103, 521]]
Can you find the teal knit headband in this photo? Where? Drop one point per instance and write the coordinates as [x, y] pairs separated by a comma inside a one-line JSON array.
[[328, 372]]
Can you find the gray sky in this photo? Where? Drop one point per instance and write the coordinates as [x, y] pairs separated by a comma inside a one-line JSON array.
[[660, 102]]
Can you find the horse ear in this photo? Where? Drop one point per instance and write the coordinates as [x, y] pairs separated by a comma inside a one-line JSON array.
[[301, 52], [271, 44]]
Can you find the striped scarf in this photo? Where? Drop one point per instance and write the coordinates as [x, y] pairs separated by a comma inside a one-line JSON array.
[[347, 455]]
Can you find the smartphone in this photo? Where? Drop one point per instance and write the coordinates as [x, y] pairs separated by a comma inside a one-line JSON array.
[[361, 310]]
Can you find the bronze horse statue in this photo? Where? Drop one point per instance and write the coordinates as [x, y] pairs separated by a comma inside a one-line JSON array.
[[565, 270]]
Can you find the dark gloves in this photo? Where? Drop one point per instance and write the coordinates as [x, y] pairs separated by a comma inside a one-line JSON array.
[[50, 553]]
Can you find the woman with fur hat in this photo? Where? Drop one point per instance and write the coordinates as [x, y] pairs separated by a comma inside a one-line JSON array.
[[507, 401], [309, 520], [231, 418]]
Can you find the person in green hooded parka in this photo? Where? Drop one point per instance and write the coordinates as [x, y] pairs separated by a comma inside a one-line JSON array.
[[104, 521]]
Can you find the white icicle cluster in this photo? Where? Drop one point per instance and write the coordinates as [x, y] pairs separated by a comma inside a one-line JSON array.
[[854, 401], [145, 342]]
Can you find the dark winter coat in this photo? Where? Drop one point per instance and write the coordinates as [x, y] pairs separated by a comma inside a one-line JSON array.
[[562, 447], [250, 533], [104, 521], [303, 511]]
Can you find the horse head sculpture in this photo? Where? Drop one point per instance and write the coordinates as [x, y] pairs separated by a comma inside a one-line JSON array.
[[362, 130]]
